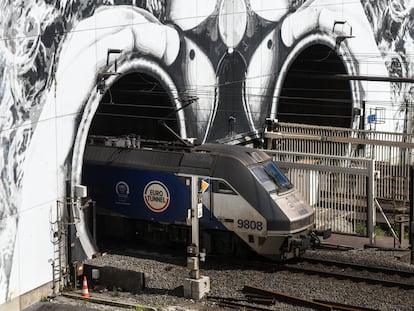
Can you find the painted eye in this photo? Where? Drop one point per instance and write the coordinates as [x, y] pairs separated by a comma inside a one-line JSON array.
[[192, 54], [189, 14], [232, 22], [270, 9]]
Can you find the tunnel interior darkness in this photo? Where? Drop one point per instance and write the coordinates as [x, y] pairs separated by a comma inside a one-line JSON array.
[[311, 95], [135, 104]]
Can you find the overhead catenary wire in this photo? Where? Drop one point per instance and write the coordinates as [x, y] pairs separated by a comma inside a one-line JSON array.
[[200, 89], [129, 24], [30, 124], [198, 17], [199, 92], [132, 23]]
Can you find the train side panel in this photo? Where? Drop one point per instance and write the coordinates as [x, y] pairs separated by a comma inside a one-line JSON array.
[[144, 195], [138, 194]]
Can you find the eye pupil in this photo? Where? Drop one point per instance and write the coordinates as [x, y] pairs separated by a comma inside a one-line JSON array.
[[192, 54]]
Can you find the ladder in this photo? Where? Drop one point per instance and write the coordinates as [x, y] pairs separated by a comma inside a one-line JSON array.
[[59, 241]]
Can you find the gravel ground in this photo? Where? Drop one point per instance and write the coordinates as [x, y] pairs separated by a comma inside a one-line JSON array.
[[165, 276]]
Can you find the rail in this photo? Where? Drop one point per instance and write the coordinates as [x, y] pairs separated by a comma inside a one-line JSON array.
[[267, 296]]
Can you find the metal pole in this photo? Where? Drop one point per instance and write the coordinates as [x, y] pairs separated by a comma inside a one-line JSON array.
[[194, 209], [371, 217], [68, 220], [411, 238], [196, 286], [192, 250], [94, 221]]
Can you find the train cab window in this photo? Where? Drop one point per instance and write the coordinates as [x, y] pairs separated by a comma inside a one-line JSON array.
[[220, 186], [264, 178], [260, 174], [276, 174], [270, 176]]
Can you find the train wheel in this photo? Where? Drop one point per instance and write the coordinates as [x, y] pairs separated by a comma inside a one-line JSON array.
[[241, 249]]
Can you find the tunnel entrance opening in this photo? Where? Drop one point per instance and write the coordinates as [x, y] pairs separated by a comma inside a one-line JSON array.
[[135, 104], [310, 93]]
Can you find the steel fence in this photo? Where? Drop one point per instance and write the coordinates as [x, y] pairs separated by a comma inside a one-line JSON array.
[[336, 187], [392, 152]]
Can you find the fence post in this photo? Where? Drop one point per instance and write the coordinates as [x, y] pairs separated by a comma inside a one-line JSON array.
[[411, 196], [371, 213]]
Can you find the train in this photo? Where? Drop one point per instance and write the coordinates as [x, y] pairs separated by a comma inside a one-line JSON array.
[[248, 203]]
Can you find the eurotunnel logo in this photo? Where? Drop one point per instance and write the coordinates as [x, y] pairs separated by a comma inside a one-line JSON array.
[[156, 196], [122, 192]]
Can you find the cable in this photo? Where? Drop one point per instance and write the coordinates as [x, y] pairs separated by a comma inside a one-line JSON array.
[[157, 118], [177, 19], [16, 212], [334, 3], [26, 125], [322, 99]]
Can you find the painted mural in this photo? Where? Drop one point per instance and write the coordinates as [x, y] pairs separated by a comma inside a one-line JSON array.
[[232, 56], [392, 24]]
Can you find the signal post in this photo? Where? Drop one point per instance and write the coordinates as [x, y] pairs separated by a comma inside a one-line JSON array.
[[195, 286]]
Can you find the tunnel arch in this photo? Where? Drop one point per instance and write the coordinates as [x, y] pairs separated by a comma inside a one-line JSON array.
[[87, 113], [92, 104], [136, 103], [311, 95], [346, 52]]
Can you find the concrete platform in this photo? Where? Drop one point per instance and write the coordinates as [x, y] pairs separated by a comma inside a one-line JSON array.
[[362, 242]]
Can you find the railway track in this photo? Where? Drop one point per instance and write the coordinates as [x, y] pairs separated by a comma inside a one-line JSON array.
[[259, 296], [387, 277], [297, 282], [354, 272]]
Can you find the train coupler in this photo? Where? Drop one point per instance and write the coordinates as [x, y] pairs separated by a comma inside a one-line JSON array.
[[315, 234]]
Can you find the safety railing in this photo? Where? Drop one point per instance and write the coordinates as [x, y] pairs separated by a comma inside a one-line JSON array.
[[392, 152], [340, 189]]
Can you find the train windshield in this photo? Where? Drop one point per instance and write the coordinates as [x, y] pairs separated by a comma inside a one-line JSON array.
[[271, 177], [277, 175]]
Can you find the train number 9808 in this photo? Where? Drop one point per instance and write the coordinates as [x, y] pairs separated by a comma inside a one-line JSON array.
[[249, 224]]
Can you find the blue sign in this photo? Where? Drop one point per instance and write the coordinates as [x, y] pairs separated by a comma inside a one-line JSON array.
[[372, 118]]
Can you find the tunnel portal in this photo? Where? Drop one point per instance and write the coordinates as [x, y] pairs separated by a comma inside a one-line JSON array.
[[135, 104], [310, 93]]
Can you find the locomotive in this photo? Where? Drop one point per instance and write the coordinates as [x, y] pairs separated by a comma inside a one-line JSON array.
[[248, 204]]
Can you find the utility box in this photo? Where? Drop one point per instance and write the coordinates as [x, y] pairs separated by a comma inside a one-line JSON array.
[[402, 220], [81, 191], [196, 289]]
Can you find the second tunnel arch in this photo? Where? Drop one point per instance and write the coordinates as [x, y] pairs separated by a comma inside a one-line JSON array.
[[310, 95]]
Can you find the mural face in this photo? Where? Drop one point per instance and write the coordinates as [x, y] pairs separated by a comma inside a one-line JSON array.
[[392, 24], [221, 68]]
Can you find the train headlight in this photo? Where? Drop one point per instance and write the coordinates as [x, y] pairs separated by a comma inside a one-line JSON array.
[[302, 223]]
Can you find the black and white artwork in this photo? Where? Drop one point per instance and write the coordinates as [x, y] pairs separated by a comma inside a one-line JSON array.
[[223, 65]]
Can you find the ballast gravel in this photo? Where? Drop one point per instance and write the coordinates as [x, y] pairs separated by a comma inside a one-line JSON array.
[[165, 276]]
